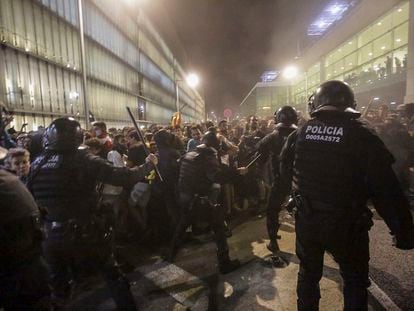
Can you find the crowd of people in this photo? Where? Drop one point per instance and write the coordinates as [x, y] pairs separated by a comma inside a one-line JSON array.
[[377, 72], [157, 186]]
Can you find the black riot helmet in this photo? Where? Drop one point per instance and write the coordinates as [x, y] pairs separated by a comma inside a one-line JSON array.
[[63, 134], [210, 138], [334, 96], [286, 115]]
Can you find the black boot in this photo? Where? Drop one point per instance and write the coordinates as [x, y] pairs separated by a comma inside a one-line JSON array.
[[229, 266], [273, 246]]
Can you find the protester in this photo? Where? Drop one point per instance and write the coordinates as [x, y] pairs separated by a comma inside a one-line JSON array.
[[18, 162]]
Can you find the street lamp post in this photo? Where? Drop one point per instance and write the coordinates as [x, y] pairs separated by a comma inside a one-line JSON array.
[[83, 61]]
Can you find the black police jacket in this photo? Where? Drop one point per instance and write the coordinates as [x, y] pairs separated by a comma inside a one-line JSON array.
[[338, 160], [200, 169], [271, 146], [65, 183]]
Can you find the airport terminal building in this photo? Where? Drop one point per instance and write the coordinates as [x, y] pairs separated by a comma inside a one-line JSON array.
[[127, 64], [367, 43]]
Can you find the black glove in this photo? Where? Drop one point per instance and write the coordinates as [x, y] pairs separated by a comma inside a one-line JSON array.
[[404, 240]]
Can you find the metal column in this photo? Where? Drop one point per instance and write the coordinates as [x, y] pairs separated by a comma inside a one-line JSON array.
[[83, 60]]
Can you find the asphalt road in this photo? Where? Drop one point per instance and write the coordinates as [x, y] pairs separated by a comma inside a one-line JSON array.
[[390, 268], [192, 281]]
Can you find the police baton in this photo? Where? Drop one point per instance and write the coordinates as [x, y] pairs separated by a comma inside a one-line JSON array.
[[141, 137], [253, 161]]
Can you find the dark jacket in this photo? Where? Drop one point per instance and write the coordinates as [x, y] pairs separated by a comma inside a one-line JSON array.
[[200, 169], [340, 161], [65, 183]]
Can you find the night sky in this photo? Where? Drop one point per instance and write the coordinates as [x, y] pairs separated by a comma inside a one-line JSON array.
[[231, 42]]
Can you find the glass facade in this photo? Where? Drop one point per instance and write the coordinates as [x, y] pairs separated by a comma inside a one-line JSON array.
[[127, 63], [369, 60], [376, 54]]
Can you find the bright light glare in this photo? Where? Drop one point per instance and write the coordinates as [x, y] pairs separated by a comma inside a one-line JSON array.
[[193, 80], [335, 9], [290, 72], [376, 98]]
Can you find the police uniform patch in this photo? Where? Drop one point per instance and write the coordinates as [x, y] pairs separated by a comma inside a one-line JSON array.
[[324, 133]]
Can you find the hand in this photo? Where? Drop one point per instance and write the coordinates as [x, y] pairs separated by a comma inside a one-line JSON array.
[[242, 170], [152, 158]]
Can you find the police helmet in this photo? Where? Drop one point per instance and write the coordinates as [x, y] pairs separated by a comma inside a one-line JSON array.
[[332, 95], [210, 138], [63, 134], [286, 115]]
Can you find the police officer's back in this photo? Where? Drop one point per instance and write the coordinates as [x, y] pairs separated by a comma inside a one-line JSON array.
[[337, 163], [199, 184], [270, 146], [63, 180]]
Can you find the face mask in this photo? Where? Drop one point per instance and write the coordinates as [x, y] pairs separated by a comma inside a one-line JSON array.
[[98, 132]]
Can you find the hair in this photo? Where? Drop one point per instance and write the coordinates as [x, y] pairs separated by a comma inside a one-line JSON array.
[[100, 124], [93, 143], [222, 121], [118, 137], [14, 153], [133, 134]]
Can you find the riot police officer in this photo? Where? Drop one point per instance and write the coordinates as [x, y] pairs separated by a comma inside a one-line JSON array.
[[63, 180], [24, 279], [338, 163], [285, 119], [199, 182]]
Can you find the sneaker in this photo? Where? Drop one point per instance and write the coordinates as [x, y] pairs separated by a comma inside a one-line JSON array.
[[229, 266]]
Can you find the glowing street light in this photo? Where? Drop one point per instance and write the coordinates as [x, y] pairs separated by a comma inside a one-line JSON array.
[[290, 72], [193, 80]]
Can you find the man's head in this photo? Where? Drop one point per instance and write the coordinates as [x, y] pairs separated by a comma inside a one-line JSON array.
[[223, 126], [253, 122], [333, 96], [99, 129], [195, 133], [119, 139], [178, 131], [18, 161], [94, 146], [23, 141], [133, 138]]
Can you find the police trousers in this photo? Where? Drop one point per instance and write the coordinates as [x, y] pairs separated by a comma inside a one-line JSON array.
[[278, 195], [66, 257], [347, 241], [215, 216]]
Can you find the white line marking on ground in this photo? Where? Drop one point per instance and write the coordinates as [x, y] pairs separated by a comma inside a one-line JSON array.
[[184, 287], [383, 299]]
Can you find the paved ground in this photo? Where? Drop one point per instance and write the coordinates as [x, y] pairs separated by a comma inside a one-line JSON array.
[[192, 281], [392, 269]]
